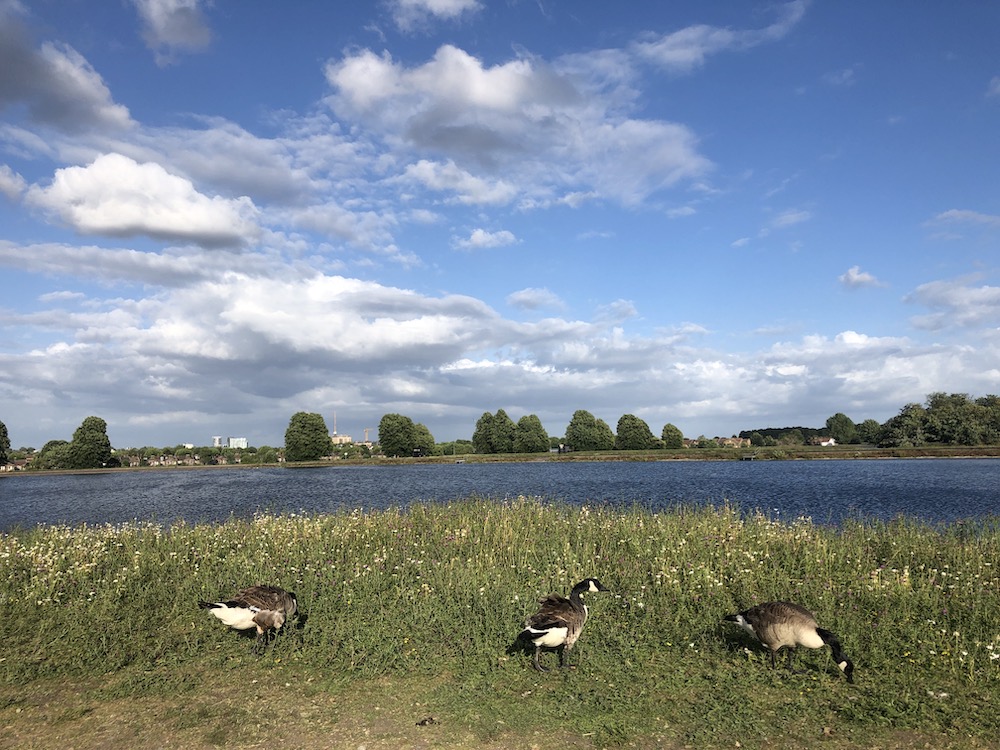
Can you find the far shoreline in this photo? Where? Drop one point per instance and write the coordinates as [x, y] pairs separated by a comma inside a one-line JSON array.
[[775, 453]]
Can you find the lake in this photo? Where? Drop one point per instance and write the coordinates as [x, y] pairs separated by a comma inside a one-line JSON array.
[[828, 491]]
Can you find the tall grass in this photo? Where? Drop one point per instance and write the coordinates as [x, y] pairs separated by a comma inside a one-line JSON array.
[[436, 593]]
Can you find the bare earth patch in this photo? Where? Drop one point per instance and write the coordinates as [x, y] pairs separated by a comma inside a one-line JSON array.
[[255, 713]]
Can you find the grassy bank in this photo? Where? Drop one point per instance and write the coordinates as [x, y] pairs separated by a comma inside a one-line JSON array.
[[409, 615]]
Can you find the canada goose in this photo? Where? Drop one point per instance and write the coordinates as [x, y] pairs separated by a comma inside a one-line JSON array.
[[559, 621], [784, 624], [265, 608]]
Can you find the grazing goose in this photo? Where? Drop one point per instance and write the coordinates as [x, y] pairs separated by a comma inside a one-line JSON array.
[[559, 621], [265, 608], [784, 624]]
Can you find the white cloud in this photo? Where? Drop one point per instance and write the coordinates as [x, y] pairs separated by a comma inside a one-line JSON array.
[[683, 51], [956, 303], [173, 25], [11, 183], [993, 89], [843, 78], [855, 278], [480, 239], [118, 197], [534, 299], [55, 84], [964, 216], [789, 218], [448, 177], [551, 133], [411, 13]]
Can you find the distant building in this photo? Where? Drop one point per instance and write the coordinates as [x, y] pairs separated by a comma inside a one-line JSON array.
[[339, 439], [826, 442], [216, 441], [236, 442]]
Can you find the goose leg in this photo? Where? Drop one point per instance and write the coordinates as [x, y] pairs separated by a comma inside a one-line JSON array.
[[537, 664]]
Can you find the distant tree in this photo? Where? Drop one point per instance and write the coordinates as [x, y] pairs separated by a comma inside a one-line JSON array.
[[905, 430], [90, 447], [494, 433], [482, 437], [794, 436], [672, 436], [842, 428], [503, 432], [633, 434], [954, 419], [267, 455], [4, 443], [396, 435], [307, 438], [587, 433], [868, 431], [990, 406], [53, 455], [454, 448], [423, 441], [530, 436]]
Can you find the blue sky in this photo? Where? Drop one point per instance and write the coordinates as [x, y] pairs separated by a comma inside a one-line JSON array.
[[725, 215]]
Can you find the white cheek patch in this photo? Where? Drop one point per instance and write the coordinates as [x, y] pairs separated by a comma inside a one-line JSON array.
[[843, 666]]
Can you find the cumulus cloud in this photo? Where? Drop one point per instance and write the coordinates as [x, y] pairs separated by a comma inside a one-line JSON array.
[[480, 238], [683, 51], [534, 299], [855, 278], [171, 26], [409, 14], [469, 189], [549, 132], [118, 197], [11, 183], [54, 83], [956, 303]]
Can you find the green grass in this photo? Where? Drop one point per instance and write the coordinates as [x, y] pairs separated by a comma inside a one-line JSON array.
[[423, 604]]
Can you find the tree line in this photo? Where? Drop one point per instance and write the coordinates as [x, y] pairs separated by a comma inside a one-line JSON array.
[[943, 419]]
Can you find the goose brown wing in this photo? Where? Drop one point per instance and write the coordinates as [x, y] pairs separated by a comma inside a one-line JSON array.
[[552, 613], [267, 597], [780, 612]]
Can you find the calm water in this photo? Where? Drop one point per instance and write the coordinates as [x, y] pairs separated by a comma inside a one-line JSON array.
[[935, 490]]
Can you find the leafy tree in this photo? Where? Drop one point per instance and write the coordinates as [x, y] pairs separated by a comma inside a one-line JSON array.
[[307, 438], [267, 455], [905, 430], [953, 419], [868, 431], [53, 455], [530, 436], [482, 437], [672, 436], [423, 441], [587, 433], [503, 432], [633, 434], [4, 443], [842, 429], [793, 436], [494, 433], [990, 406], [90, 447], [397, 435]]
